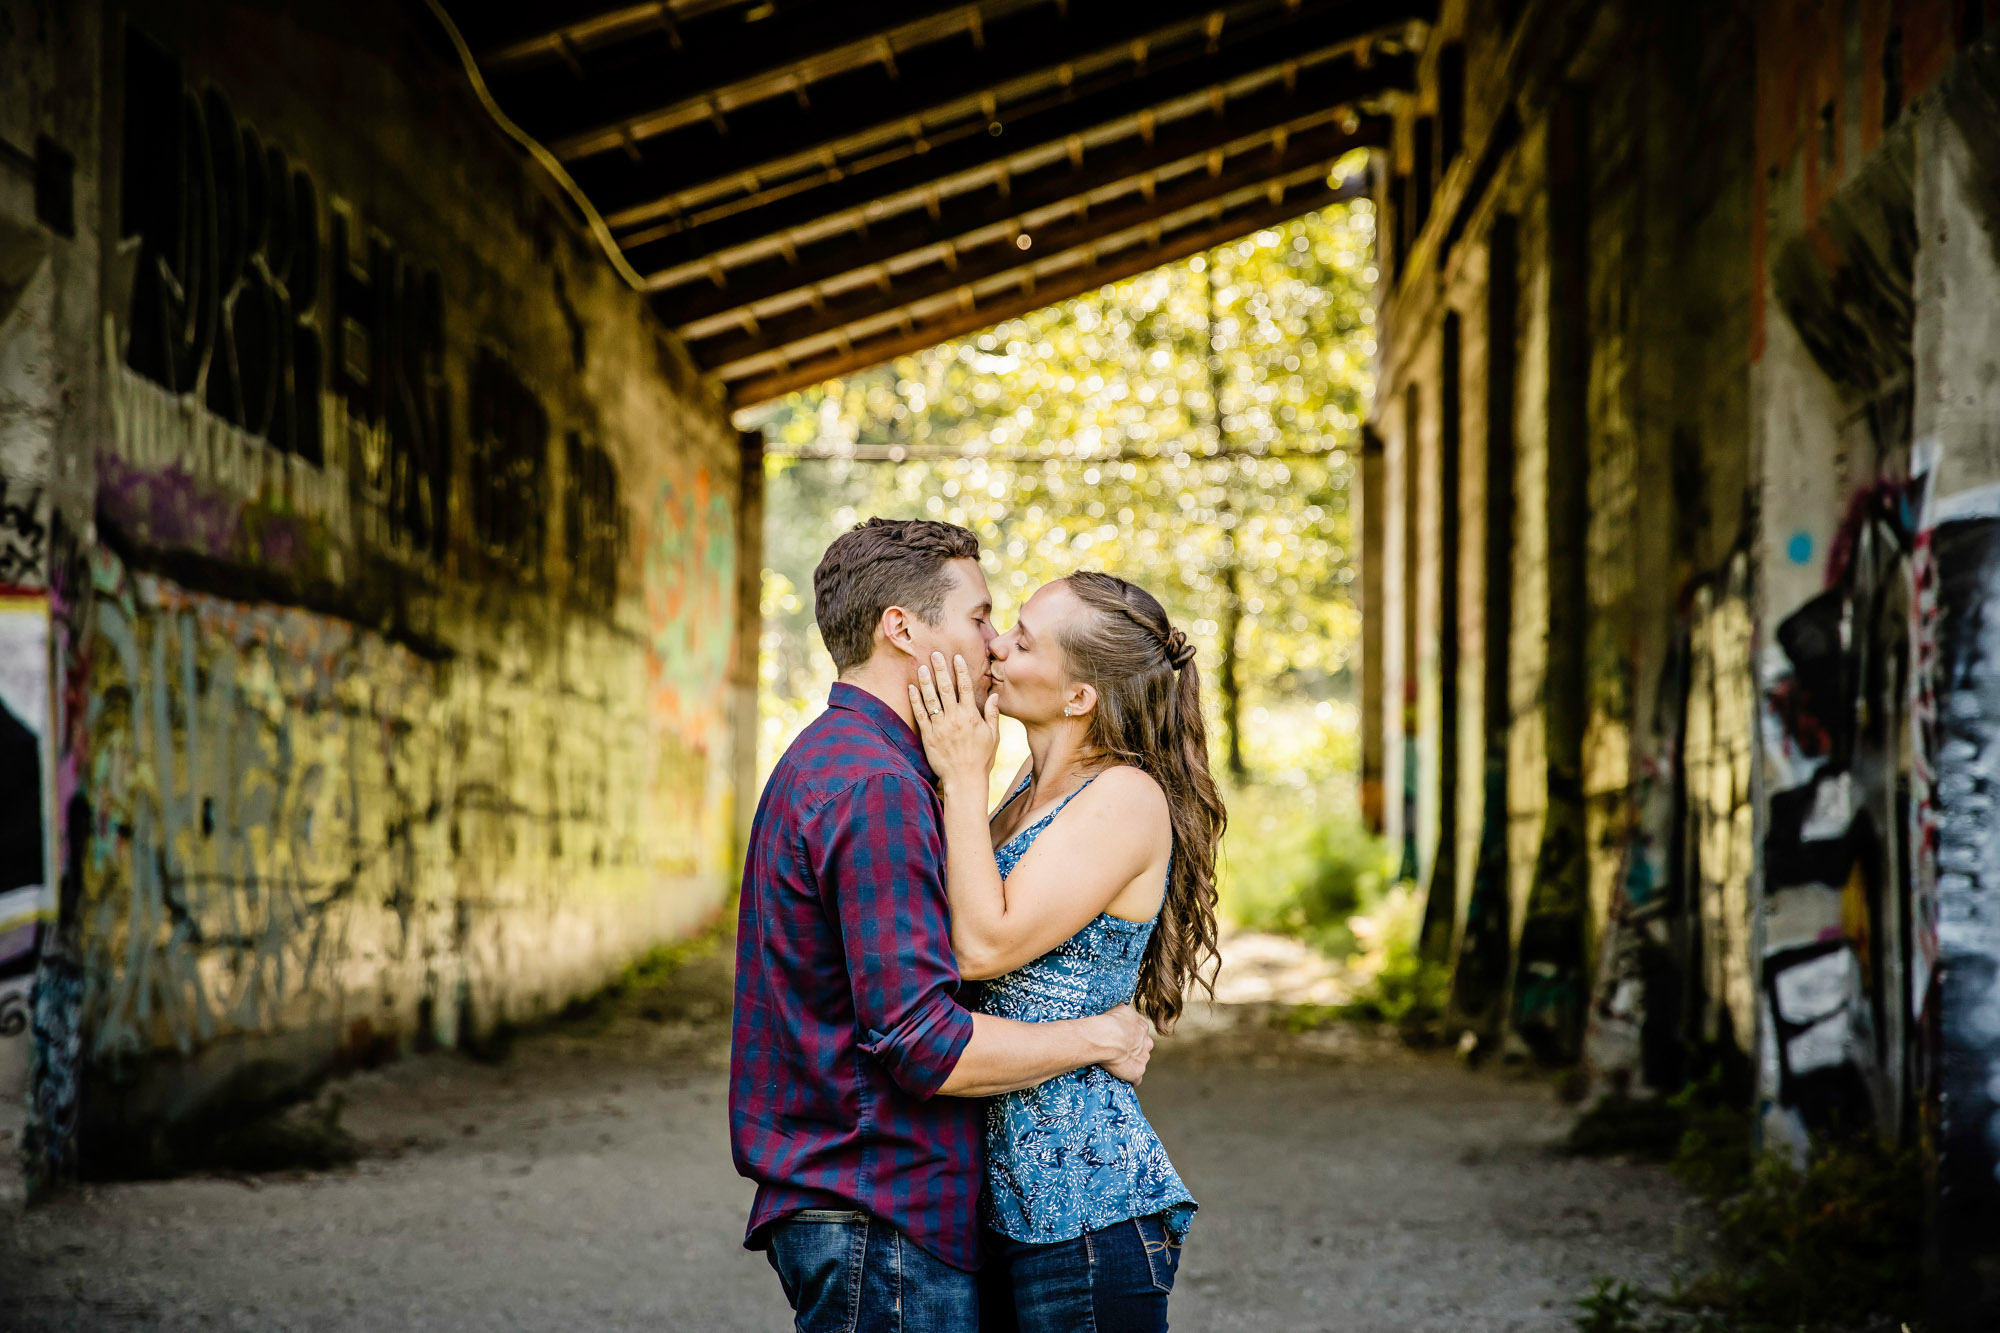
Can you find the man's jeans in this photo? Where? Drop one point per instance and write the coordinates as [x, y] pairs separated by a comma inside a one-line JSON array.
[[846, 1272], [1112, 1280]]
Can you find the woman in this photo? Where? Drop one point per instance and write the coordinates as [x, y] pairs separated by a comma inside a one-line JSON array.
[[1091, 885]]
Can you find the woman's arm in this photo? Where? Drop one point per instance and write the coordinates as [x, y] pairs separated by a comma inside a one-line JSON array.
[[1112, 836]]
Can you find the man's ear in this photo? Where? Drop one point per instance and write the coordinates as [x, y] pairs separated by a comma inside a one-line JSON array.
[[895, 627]]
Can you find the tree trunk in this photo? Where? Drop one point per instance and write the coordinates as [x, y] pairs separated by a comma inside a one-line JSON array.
[[1230, 682]]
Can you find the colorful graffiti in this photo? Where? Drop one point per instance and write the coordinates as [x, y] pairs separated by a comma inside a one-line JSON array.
[[1959, 739], [689, 549], [56, 1029], [27, 905], [290, 820], [1635, 1036], [221, 843], [1836, 958]]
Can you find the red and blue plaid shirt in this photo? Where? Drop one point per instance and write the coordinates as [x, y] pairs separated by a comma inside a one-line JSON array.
[[847, 1019]]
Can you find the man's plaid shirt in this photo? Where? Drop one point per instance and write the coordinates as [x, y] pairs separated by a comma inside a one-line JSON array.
[[847, 1019]]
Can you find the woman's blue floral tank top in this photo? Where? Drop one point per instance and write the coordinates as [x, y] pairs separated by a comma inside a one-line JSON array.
[[1076, 1153]]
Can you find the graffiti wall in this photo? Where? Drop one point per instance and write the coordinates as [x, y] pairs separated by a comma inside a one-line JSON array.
[[1836, 733], [295, 823], [26, 900], [1960, 745], [367, 681]]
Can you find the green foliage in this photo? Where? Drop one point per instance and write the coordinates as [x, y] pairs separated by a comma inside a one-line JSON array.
[[1169, 428], [1827, 1244], [1619, 1124], [1394, 982], [1619, 1307], [1612, 1307], [1714, 1156], [1299, 867], [1397, 983], [1702, 1130]]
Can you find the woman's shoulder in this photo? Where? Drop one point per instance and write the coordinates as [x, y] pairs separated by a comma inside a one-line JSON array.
[[1131, 791]]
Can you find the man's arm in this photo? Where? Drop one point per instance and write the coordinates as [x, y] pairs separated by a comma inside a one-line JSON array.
[[1006, 1056], [878, 857]]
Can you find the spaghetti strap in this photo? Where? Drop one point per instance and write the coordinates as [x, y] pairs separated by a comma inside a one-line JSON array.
[[1013, 849], [1027, 780], [1072, 796]]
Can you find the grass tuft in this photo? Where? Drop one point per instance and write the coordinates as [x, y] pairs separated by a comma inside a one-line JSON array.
[[1827, 1243]]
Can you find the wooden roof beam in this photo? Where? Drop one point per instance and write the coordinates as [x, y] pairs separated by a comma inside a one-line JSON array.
[[675, 245], [518, 40], [1309, 152], [1017, 46], [1173, 246], [630, 198], [698, 311]]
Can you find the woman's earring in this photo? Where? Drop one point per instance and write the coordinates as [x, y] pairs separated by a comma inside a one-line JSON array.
[[1069, 710]]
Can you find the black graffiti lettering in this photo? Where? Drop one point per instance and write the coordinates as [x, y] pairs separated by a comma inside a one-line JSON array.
[[388, 322], [223, 296], [508, 438], [593, 524], [23, 535]]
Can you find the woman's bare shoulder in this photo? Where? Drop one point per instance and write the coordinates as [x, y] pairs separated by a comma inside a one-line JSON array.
[[1132, 792]]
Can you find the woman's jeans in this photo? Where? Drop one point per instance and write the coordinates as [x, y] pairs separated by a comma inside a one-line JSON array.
[[1113, 1280], [846, 1272]]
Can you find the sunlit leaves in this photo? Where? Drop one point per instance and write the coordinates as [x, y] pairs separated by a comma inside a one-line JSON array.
[[1089, 435]]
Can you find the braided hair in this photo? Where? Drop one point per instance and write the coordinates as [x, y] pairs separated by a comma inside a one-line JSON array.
[[1148, 715]]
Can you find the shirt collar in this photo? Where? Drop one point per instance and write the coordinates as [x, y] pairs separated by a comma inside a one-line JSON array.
[[886, 720]]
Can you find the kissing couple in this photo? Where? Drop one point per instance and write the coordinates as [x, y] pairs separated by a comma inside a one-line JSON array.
[[942, 1014]]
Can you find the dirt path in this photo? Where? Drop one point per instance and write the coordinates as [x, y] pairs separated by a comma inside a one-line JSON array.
[[584, 1183]]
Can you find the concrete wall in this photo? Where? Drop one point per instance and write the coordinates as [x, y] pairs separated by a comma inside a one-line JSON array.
[[1750, 723], [392, 578]]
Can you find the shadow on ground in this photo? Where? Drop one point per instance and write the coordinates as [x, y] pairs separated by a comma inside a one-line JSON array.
[[584, 1182]]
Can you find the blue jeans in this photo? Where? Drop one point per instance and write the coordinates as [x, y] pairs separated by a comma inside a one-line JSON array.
[[1112, 1280], [847, 1272]]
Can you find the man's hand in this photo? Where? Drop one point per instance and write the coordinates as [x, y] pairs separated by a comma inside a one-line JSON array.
[[1131, 1038]]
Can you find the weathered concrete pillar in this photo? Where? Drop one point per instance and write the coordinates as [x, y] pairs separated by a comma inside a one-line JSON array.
[[1373, 610], [1410, 672], [1441, 900], [50, 420], [1549, 988], [1479, 977], [746, 662], [1957, 889]]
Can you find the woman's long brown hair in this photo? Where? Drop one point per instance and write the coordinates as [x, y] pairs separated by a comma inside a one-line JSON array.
[[1148, 715]]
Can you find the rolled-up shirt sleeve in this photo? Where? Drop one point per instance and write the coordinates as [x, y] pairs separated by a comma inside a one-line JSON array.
[[879, 860]]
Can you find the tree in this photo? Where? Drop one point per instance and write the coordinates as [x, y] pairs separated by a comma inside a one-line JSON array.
[[1191, 429]]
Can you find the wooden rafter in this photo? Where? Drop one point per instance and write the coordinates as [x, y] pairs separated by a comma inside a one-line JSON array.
[[675, 245], [631, 197], [1172, 246], [762, 138], [1248, 124], [1309, 153], [520, 41]]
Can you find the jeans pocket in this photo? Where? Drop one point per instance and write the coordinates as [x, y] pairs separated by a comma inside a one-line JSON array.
[[820, 1257], [1163, 1256]]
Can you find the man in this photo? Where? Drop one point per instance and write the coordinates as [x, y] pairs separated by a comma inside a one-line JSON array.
[[855, 1075]]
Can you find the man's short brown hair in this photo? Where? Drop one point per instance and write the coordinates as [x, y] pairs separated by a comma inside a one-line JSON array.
[[882, 563]]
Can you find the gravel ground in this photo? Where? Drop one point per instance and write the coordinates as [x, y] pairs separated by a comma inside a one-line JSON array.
[[585, 1183]]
